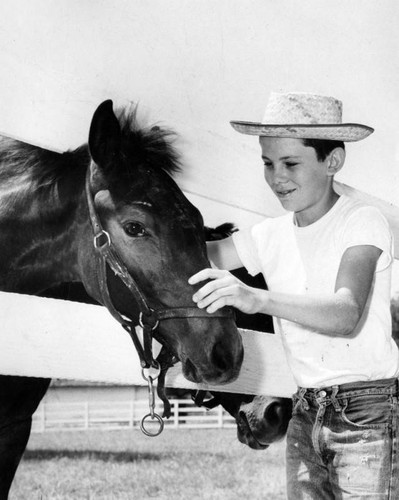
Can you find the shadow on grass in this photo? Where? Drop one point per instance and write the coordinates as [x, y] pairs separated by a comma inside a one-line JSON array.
[[105, 456]]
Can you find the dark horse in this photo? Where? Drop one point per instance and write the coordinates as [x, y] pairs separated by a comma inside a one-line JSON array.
[[157, 236]]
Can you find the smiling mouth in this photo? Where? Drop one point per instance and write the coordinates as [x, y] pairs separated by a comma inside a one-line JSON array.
[[284, 193]]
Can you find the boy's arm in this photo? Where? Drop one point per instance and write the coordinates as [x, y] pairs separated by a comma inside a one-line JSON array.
[[223, 254], [333, 314], [337, 313]]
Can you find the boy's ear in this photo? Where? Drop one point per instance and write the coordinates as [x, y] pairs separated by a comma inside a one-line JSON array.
[[335, 161]]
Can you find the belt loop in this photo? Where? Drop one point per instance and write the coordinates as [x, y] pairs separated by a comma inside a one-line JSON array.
[[302, 399], [335, 403]]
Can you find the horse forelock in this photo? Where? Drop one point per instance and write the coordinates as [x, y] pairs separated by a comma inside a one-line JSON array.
[[145, 168], [142, 146]]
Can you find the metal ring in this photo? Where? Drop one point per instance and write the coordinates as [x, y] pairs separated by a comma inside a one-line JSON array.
[[156, 417], [142, 324], [156, 369], [97, 243]]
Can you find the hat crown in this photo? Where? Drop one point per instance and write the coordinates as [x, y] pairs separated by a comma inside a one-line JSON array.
[[302, 108]]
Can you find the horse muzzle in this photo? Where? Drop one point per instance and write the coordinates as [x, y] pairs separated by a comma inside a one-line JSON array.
[[212, 351]]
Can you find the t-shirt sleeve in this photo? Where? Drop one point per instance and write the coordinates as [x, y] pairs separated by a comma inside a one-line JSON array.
[[367, 226], [245, 242]]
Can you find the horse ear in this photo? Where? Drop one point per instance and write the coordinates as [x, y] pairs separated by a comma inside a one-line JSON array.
[[103, 201], [104, 135]]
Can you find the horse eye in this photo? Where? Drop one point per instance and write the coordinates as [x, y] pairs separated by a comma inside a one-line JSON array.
[[134, 229]]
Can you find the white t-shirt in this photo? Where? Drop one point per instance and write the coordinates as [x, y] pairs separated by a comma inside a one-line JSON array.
[[303, 260]]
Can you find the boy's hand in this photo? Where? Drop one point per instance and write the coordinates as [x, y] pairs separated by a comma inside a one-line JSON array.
[[225, 290]]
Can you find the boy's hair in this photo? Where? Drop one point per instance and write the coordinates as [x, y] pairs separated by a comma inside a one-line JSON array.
[[323, 147]]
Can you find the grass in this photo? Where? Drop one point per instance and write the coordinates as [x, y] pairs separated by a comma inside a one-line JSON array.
[[123, 465]]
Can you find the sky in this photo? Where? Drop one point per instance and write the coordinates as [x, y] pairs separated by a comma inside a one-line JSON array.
[[194, 65]]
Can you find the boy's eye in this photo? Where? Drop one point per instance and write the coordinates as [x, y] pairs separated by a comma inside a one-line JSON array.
[[290, 165], [268, 165]]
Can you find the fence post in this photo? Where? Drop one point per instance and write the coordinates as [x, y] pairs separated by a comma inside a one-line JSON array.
[[175, 404]]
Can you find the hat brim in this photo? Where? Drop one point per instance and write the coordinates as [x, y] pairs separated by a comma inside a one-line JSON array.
[[347, 132]]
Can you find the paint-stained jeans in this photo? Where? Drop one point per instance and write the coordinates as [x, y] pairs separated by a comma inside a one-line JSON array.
[[342, 442]]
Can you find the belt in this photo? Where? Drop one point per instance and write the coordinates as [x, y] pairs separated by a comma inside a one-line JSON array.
[[330, 394]]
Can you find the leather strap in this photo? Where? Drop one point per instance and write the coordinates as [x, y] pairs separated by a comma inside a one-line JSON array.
[[148, 319]]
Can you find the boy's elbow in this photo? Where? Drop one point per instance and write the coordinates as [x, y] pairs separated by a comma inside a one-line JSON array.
[[350, 319]]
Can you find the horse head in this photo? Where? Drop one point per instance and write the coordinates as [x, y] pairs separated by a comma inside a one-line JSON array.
[[158, 237], [261, 420]]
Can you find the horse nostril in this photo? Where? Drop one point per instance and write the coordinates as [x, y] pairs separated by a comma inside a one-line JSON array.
[[242, 416], [219, 357], [273, 414]]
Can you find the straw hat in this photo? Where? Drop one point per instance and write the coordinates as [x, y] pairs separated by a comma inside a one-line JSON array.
[[304, 116]]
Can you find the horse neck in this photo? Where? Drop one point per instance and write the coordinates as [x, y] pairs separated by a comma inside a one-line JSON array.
[[39, 232]]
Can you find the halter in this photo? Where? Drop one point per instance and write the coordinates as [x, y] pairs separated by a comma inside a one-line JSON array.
[[148, 318]]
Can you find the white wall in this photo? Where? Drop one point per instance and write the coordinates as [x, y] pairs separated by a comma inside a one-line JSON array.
[[195, 65]]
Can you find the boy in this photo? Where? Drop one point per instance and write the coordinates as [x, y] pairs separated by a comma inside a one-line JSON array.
[[327, 264]]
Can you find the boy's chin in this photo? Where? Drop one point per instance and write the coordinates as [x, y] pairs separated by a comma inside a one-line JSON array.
[[288, 205]]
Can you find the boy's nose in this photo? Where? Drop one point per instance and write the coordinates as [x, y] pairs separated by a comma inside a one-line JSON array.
[[280, 176]]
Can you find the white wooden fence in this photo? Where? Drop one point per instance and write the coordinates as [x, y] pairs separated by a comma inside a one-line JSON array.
[[74, 341], [95, 415]]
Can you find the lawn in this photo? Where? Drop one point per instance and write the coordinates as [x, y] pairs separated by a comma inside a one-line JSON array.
[[177, 465]]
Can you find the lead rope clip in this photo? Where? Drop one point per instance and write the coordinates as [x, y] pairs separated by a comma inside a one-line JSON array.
[[151, 400]]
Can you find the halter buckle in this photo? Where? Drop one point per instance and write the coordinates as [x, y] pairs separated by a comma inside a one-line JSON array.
[[149, 317], [99, 242]]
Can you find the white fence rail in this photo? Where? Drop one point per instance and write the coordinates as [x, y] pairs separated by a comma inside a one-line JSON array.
[[74, 341], [124, 414]]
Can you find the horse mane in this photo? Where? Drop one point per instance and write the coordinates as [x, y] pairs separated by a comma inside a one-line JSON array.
[[33, 173], [35, 177]]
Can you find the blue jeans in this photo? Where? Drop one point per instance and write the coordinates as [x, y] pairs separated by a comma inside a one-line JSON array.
[[342, 442]]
